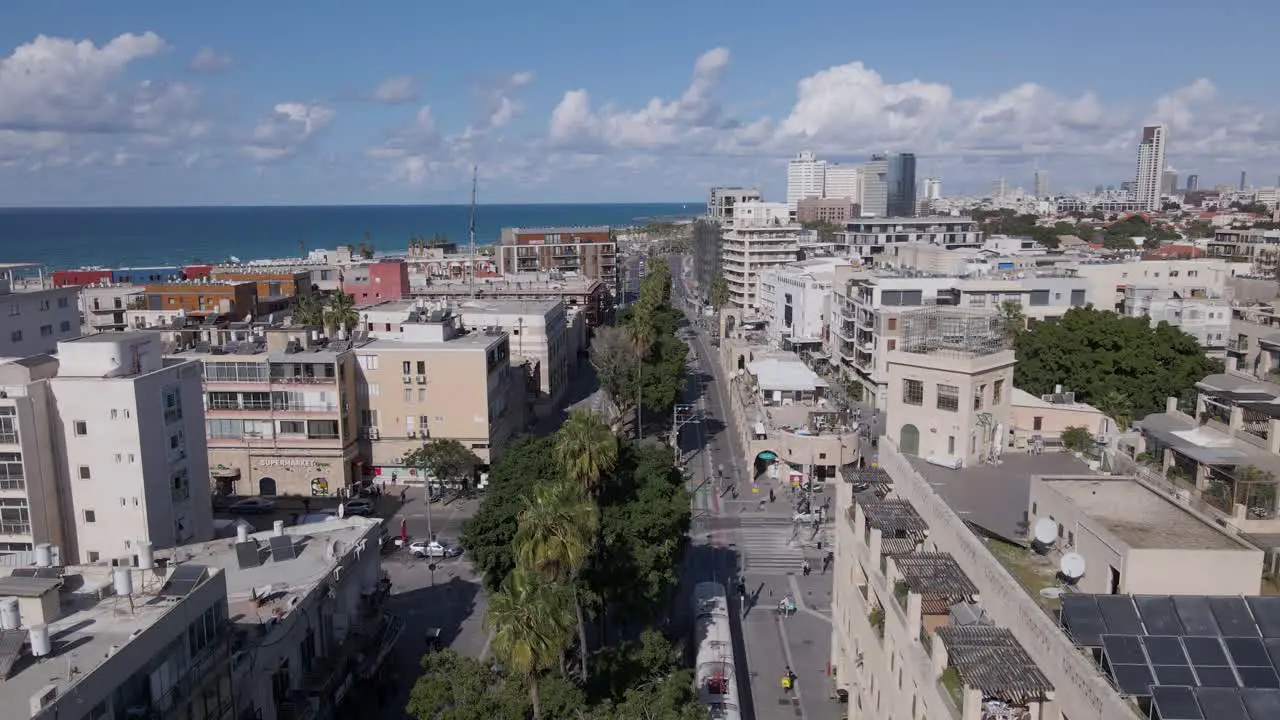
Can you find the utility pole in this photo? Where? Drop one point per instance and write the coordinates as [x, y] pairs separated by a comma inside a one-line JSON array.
[[471, 273], [682, 415]]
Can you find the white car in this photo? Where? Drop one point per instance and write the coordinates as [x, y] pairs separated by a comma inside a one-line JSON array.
[[434, 549]]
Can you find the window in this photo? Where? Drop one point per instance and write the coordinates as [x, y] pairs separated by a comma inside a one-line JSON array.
[[977, 396], [997, 392], [13, 309], [44, 305], [422, 367], [406, 367], [913, 392], [93, 556], [951, 445], [8, 425], [1039, 297], [422, 395], [114, 413], [1077, 298], [11, 472], [891, 324], [90, 516], [63, 302], [1037, 423], [46, 330], [891, 344], [949, 397], [84, 472], [408, 394], [15, 336], [80, 427], [65, 326], [367, 362]]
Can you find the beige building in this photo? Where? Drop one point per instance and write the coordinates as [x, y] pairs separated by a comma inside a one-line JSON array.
[[1108, 279], [1253, 339], [950, 384], [1259, 248], [1038, 422], [104, 308], [280, 410], [435, 381]]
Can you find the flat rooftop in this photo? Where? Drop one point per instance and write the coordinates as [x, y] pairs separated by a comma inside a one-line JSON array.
[[470, 341], [995, 498], [1142, 518], [508, 285]]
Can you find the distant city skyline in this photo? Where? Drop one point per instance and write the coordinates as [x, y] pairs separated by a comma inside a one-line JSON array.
[[144, 104]]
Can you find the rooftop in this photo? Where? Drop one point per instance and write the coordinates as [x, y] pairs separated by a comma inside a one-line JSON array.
[[1022, 398], [992, 660], [470, 341], [1142, 518], [785, 375], [934, 573], [995, 498], [521, 284]]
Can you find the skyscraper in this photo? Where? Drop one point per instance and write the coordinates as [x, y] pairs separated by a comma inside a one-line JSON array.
[[932, 189], [1146, 189], [874, 188], [1193, 183], [1042, 183], [806, 177], [901, 181], [1244, 179], [841, 182], [1168, 181]]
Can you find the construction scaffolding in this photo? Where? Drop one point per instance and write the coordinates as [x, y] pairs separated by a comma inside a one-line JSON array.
[[953, 331]]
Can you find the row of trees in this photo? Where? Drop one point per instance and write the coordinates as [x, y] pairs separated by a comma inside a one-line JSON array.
[[338, 312], [1121, 365], [576, 527], [639, 362], [1116, 236]]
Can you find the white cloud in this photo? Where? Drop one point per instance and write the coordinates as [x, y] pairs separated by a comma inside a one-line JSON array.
[[210, 60], [396, 90], [286, 129]]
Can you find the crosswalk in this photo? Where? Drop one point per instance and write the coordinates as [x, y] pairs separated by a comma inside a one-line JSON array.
[[765, 545]]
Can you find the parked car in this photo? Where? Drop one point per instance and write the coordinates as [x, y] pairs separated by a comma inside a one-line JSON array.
[[434, 549], [360, 507], [252, 506]]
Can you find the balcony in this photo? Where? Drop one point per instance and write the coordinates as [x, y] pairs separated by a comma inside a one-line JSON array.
[[303, 380], [15, 528], [1238, 345], [13, 483]]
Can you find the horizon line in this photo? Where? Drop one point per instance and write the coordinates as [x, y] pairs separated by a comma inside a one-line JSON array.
[[325, 205]]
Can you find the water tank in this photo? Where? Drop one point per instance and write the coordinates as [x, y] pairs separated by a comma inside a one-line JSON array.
[[44, 555], [279, 527], [123, 577], [146, 556], [242, 533], [10, 616], [41, 646]]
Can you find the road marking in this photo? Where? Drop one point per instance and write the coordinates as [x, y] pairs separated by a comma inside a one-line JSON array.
[[800, 604], [791, 663]]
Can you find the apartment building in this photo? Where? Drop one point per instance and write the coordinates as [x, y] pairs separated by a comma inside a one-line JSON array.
[[590, 297], [758, 214], [866, 307], [795, 299], [836, 210], [1108, 279], [867, 238], [806, 177], [1195, 311], [280, 406], [587, 251], [324, 276], [374, 282], [427, 262], [747, 250], [274, 290], [437, 381], [1036, 423], [842, 182], [723, 200], [117, 276], [36, 318], [707, 236], [1259, 248], [229, 299], [103, 308], [1253, 340]]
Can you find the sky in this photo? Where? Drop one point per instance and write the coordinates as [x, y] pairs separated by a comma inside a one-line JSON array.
[[146, 103]]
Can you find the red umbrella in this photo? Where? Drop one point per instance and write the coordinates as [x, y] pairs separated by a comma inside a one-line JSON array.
[[404, 535]]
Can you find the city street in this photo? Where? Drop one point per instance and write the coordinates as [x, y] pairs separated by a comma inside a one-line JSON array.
[[733, 536]]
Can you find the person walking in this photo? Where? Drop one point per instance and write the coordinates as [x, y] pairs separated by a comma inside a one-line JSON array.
[[826, 562], [786, 682], [804, 567]]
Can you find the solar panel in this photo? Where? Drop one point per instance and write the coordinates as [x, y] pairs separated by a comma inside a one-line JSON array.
[[1221, 704], [1247, 652], [1158, 615], [1195, 614], [1119, 614], [1176, 703], [282, 548], [10, 649], [1261, 704], [1216, 677], [1233, 617], [1082, 618], [1174, 675], [1204, 651], [1123, 650], [1133, 679], [1165, 650], [247, 555], [1266, 612], [1259, 677], [49, 573], [23, 572], [184, 579]]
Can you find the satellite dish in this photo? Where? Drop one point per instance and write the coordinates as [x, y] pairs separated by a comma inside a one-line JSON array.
[[1046, 531], [1072, 566]]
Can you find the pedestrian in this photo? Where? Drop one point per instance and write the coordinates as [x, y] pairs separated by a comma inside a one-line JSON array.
[[403, 494], [792, 677], [786, 682], [804, 567], [826, 563], [771, 495]]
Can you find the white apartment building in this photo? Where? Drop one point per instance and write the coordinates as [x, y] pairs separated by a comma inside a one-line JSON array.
[[874, 188], [104, 308], [1107, 280], [869, 237], [723, 201], [806, 177], [759, 214], [131, 428], [35, 318], [1150, 171], [842, 181], [746, 250], [795, 299], [1259, 248], [1195, 311], [932, 189]]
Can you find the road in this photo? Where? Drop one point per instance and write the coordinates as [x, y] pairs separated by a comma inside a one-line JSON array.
[[758, 541]]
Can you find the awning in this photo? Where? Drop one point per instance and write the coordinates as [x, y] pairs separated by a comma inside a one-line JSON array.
[[766, 455], [224, 472]]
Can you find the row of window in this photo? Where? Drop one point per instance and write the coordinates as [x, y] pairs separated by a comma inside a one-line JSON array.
[[311, 429], [263, 372], [16, 308], [948, 396], [45, 331]]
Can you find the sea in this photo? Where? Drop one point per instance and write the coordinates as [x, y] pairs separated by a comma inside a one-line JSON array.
[[59, 238]]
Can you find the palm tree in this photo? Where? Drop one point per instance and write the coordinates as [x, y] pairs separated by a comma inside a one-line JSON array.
[[556, 533], [586, 449], [1117, 406], [642, 337], [341, 313], [308, 311], [531, 625]]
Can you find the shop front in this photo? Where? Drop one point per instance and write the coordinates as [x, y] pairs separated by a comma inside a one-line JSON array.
[[282, 473]]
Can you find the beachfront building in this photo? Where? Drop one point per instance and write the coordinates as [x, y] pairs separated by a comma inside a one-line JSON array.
[[435, 380], [118, 276], [373, 282], [35, 317], [274, 290], [280, 406], [103, 307], [584, 251], [324, 276], [444, 261], [590, 297], [103, 446], [217, 299]]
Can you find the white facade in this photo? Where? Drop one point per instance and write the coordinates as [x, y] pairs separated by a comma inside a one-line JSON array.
[[34, 322], [760, 214], [104, 307], [796, 298], [932, 189], [1108, 280], [867, 238], [874, 188], [1150, 172], [745, 251], [134, 462], [723, 201], [1196, 312], [30, 488], [842, 181], [806, 177]]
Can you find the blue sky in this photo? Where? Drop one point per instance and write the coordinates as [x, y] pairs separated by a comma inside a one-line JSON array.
[[142, 103]]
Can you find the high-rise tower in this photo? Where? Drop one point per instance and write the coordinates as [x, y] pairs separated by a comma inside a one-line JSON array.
[[1150, 167]]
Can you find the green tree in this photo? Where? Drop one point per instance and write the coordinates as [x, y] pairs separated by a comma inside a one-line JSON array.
[[586, 449], [1077, 438], [308, 311], [1200, 229], [1093, 352], [719, 293], [555, 536], [531, 624], [826, 230], [614, 358], [1117, 406], [457, 687], [1014, 320], [341, 313], [445, 460], [365, 247]]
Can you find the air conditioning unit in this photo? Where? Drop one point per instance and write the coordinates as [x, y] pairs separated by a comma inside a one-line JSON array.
[[422, 379], [407, 379]]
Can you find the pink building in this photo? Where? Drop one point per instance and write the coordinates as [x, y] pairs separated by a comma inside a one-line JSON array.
[[377, 281]]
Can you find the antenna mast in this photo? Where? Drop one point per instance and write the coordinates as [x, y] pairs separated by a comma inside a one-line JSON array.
[[471, 272]]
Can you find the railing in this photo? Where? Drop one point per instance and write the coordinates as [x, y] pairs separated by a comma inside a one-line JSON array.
[[8, 438], [1238, 345], [15, 528], [300, 380], [1123, 464], [13, 484]]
